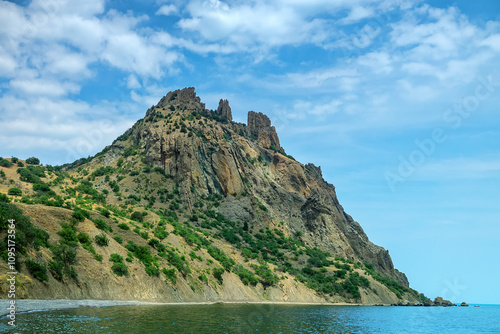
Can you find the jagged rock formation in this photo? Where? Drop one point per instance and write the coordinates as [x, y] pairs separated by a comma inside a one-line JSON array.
[[260, 128], [224, 110]]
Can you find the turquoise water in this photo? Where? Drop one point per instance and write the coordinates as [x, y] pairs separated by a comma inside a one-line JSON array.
[[263, 318]]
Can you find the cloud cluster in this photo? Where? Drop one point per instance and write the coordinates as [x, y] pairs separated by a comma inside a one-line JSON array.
[[348, 57], [51, 50]]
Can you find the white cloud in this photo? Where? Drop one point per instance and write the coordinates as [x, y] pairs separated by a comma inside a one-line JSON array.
[[378, 62], [132, 82], [34, 87], [45, 125], [435, 34], [262, 24], [166, 10], [358, 13]]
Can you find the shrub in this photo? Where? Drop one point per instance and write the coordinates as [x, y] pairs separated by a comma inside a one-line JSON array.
[[14, 160], [84, 238], [217, 272], [220, 256], [27, 175], [68, 235], [71, 272], [115, 257], [33, 161], [178, 262], [143, 253], [105, 212], [80, 214], [203, 278], [56, 269], [118, 239], [120, 269], [246, 276], [4, 198], [5, 163], [156, 244], [170, 274], [152, 270], [267, 277], [15, 192], [39, 270], [160, 232], [101, 224], [64, 253], [20, 164], [101, 240], [124, 226], [137, 216]]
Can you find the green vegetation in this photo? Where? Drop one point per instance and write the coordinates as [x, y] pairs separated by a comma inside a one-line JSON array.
[[80, 214], [160, 232], [246, 276], [86, 243], [124, 226], [101, 240], [64, 253], [170, 274], [37, 269], [4, 198], [26, 234], [33, 161], [5, 163], [138, 216], [15, 192], [179, 262], [217, 272], [118, 267], [101, 224]]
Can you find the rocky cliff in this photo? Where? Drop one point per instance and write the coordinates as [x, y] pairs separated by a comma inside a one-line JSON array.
[[216, 191]]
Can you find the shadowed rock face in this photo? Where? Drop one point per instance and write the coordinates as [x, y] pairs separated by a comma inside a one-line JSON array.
[[233, 159]]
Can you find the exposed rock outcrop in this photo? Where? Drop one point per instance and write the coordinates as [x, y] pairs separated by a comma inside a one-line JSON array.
[[439, 301], [184, 99], [224, 110], [260, 128]]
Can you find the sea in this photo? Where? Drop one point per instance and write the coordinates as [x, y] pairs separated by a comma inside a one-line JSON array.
[[101, 317]]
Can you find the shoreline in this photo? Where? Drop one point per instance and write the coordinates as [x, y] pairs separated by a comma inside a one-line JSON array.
[[42, 305]]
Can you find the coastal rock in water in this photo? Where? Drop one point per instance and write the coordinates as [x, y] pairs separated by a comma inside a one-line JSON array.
[[464, 304], [439, 301]]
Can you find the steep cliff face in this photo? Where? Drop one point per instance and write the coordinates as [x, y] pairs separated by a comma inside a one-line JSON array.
[[229, 216]]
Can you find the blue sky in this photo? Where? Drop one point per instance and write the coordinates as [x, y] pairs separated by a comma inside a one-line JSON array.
[[397, 101]]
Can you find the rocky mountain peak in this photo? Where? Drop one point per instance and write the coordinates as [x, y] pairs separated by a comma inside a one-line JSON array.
[[182, 99]]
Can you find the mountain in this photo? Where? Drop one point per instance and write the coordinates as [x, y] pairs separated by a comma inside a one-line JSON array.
[[188, 205]]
